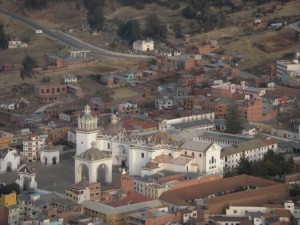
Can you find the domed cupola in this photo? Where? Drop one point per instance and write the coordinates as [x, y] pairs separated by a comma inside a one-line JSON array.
[[87, 122], [161, 137]]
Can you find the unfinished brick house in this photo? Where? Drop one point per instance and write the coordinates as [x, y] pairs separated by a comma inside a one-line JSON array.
[[249, 110], [207, 46], [49, 92]]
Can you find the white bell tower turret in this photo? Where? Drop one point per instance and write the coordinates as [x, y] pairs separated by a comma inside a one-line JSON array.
[[87, 130]]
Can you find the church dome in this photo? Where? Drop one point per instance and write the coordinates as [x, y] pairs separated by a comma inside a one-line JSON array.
[[161, 137], [50, 147], [94, 154], [151, 165]]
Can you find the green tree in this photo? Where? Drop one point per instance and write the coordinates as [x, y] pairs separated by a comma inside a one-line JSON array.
[[7, 189], [233, 121], [35, 4], [95, 14], [244, 165], [28, 65], [4, 39], [96, 19], [177, 30], [130, 31], [154, 27]]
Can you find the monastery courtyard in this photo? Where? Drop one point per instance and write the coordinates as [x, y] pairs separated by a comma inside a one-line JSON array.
[[52, 178]]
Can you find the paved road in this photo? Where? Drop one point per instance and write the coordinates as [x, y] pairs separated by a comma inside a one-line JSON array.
[[68, 40]]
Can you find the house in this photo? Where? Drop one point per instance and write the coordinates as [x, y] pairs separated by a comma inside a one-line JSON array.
[[143, 45], [54, 60], [69, 79], [128, 108], [207, 46], [49, 92], [83, 191], [9, 105], [17, 44], [288, 72]]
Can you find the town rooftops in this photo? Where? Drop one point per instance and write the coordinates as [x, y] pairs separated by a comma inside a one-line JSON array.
[[183, 196], [246, 146], [110, 210], [254, 197]]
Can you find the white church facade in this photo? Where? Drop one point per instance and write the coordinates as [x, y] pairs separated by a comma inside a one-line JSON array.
[[9, 160], [141, 155]]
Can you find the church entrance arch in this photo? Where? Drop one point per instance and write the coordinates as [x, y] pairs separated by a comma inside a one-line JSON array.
[[54, 160], [45, 160], [26, 184], [9, 167], [123, 164], [102, 173], [83, 172], [122, 156]]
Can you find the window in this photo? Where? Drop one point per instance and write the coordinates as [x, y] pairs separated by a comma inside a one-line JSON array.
[[200, 155], [142, 155], [108, 145]]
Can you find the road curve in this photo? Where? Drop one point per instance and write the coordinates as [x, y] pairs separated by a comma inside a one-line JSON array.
[[69, 40]]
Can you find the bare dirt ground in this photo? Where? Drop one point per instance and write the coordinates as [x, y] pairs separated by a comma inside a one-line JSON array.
[[277, 43], [38, 45], [125, 93]]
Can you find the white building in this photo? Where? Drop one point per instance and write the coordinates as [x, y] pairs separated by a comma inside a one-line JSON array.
[[26, 178], [9, 105], [9, 160], [143, 154], [143, 45], [288, 72], [70, 79], [49, 155], [164, 102], [17, 44], [32, 146], [254, 150]]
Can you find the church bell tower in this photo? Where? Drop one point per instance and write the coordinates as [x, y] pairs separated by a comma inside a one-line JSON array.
[[87, 130]]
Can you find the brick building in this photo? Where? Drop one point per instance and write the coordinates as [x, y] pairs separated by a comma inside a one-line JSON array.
[[185, 80], [49, 92], [250, 110]]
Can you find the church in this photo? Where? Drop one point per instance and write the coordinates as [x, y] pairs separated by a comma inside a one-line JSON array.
[[141, 155]]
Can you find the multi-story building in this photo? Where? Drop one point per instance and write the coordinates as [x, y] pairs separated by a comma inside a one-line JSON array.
[[83, 191], [288, 72], [128, 108], [164, 102], [254, 150], [9, 210], [251, 110], [49, 92], [32, 146], [185, 80], [5, 138]]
